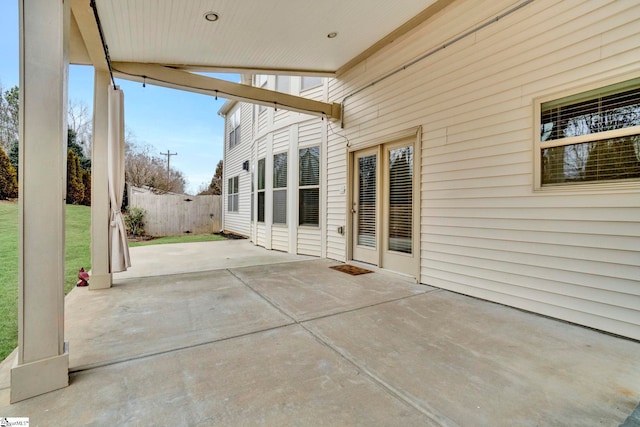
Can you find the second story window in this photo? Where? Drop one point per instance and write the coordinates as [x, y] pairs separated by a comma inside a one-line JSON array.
[[234, 129], [310, 82]]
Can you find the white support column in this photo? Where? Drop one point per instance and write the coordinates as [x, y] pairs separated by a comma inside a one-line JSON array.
[[268, 193], [101, 277], [292, 189], [43, 360]]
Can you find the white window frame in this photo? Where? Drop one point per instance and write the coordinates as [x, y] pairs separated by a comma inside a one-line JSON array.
[[261, 190], [302, 86], [280, 190], [233, 193], [301, 187], [234, 129], [539, 145]]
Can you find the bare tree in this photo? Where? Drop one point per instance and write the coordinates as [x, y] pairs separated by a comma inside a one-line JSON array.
[[144, 169], [80, 121], [9, 118]]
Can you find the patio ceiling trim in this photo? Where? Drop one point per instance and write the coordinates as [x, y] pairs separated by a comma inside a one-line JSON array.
[[395, 34], [250, 70], [183, 80]]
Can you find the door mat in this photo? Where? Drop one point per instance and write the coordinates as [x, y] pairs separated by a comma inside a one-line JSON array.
[[351, 269]]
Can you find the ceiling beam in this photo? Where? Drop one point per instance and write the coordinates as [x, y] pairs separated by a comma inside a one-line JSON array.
[[86, 21], [177, 79], [77, 50]]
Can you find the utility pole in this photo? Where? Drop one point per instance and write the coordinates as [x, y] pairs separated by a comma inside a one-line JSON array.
[[168, 154]]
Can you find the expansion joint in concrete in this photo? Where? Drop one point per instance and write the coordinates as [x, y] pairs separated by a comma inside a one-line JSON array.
[[387, 388]]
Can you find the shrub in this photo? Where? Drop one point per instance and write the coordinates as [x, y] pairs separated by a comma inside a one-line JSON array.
[[134, 220], [8, 181]]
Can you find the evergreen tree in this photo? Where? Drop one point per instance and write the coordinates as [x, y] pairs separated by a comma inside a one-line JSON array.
[[215, 187], [86, 182], [72, 144], [75, 189], [8, 181], [14, 155]]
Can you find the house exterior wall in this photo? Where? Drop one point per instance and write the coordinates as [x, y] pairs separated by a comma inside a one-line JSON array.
[[238, 222], [572, 253], [267, 132]]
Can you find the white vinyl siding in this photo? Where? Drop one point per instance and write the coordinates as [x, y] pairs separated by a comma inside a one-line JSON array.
[[315, 92], [309, 241], [280, 239], [238, 221], [485, 231]]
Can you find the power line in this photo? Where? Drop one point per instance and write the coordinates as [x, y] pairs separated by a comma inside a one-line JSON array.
[[168, 154]]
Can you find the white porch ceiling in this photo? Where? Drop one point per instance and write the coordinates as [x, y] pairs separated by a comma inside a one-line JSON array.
[[253, 35]]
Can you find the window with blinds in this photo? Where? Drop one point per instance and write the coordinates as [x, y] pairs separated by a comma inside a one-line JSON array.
[[401, 200], [591, 136], [261, 189], [367, 195], [280, 188], [309, 186], [232, 194]]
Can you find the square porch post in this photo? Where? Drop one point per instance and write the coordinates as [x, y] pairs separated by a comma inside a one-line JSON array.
[[43, 360]]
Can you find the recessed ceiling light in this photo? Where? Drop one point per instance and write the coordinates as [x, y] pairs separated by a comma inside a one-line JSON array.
[[332, 35], [211, 16]]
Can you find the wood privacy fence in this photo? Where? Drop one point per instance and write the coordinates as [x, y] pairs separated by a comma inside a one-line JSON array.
[[178, 214]]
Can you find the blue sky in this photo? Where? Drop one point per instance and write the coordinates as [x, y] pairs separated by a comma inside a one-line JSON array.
[[167, 119]]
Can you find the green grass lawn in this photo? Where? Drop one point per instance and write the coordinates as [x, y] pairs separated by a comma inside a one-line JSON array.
[[77, 255], [78, 239], [179, 239]]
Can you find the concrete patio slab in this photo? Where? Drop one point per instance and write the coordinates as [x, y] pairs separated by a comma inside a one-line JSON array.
[[295, 343], [313, 290], [143, 316], [276, 378], [159, 260], [474, 363]]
